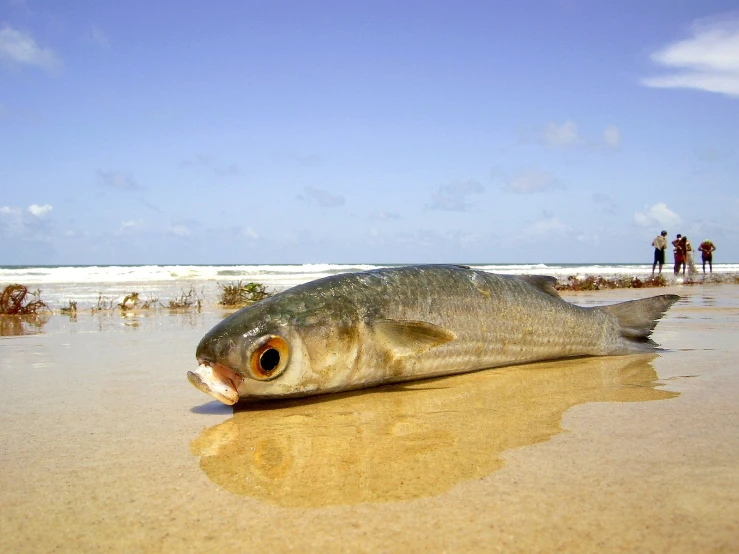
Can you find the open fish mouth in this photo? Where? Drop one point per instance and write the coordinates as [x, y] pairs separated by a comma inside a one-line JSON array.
[[217, 380]]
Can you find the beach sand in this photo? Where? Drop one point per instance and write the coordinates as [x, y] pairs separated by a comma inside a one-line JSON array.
[[104, 446]]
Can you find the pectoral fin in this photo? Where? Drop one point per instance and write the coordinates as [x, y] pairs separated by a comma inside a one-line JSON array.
[[406, 338]]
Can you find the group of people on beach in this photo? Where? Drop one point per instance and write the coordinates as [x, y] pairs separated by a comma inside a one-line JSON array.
[[683, 252]]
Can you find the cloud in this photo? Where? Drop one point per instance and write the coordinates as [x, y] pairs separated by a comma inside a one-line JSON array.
[[558, 136], [612, 136], [120, 180], [301, 159], [179, 231], [250, 234], [324, 198], [533, 181], [609, 204], [39, 211], [385, 216], [547, 227], [29, 224], [658, 215], [19, 48], [454, 197], [97, 36], [709, 60], [201, 161], [8, 211], [130, 226]]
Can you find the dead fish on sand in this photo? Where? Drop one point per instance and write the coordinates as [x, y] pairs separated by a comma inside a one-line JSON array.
[[397, 324]]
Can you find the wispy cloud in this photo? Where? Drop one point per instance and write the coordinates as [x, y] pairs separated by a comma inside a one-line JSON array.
[[568, 135], [19, 48], [558, 136], [120, 180], [709, 60], [612, 136], [658, 215], [324, 198], [384, 216], [533, 181], [250, 234], [179, 231], [98, 36], [455, 197], [130, 227], [547, 227], [609, 204], [203, 162], [304, 159]]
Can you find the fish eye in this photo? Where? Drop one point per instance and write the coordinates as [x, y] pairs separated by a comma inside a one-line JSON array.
[[269, 358]]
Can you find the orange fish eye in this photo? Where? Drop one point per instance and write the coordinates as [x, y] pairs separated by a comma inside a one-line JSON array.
[[269, 359]]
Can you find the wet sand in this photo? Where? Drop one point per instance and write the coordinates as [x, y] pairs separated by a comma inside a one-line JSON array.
[[104, 446]]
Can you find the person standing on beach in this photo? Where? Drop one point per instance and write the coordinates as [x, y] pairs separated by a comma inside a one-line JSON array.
[[689, 262], [660, 245], [679, 251], [707, 248]]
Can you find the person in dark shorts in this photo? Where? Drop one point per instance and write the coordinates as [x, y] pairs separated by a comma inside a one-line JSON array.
[[660, 244], [707, 248]]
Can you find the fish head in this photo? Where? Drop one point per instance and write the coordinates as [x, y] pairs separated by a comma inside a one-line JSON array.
[[266, 350]]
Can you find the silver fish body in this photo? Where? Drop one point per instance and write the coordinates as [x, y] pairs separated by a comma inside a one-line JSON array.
[[388, 325]]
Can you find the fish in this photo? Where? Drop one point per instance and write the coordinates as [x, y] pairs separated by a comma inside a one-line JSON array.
[[389, 325]]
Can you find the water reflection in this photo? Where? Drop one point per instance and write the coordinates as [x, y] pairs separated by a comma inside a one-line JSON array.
[[17, 325], [408, 441]]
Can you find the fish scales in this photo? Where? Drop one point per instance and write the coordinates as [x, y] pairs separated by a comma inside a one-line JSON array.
[[395, 324]]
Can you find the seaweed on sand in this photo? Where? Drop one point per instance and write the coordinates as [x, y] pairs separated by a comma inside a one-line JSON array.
[[186, 300], [71, 308], [132, 302], [103, 303], [593, 282], [239, 294], [13, 301]]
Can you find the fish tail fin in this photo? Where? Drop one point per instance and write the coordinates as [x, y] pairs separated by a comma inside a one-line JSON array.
[[638, 318]]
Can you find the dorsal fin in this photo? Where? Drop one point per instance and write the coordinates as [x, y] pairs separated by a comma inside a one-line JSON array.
[[544, 283], [407, 337]]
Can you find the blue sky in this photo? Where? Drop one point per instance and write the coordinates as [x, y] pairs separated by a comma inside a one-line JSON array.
[[366, 131]]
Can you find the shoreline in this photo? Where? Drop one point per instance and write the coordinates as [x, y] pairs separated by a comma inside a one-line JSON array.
[[70, 298]]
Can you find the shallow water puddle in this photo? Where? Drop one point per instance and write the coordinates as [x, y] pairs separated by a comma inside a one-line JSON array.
[[408, 441]]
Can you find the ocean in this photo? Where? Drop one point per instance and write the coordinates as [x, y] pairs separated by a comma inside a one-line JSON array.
[[86, 285]]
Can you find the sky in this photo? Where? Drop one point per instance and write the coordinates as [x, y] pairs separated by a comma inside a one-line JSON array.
[[370, 131]]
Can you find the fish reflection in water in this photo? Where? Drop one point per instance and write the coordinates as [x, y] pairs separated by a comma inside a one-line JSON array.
[[411, 440]]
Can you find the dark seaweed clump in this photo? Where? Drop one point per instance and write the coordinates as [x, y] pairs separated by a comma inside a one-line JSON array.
[[17, 300], [239, 294], [593, 282]]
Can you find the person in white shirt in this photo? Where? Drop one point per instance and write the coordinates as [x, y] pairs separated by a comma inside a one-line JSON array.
[[660, 244]]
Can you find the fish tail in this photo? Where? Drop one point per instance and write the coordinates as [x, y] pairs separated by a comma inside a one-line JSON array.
[[638, 318]]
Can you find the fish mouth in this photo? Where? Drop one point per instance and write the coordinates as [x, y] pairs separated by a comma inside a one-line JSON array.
[[217, 380]]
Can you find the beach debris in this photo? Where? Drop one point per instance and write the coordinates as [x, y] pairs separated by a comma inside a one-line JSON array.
[[597, 282], [240, 294], [132, 302], [70, 308], [187, 300], [14, 301], [103, 304], [363, 329]]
